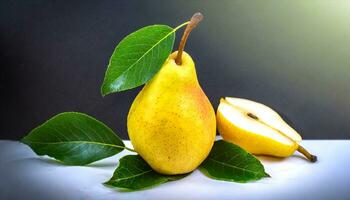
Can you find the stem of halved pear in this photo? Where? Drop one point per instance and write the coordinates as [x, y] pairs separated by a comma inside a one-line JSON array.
[[309, 156], [196, 18]]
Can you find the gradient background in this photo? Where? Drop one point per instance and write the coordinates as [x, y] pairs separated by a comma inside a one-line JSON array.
[[291, 55]]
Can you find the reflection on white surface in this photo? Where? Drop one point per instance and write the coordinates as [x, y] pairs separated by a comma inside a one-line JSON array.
[[27, 176]]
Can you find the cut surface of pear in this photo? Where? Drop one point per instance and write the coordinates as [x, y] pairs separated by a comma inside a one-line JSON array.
[[257, 128]]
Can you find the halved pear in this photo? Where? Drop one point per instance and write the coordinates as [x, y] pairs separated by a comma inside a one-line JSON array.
[[257, 128]]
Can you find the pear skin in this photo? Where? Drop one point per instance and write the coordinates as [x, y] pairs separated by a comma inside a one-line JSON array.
[[172, 123]]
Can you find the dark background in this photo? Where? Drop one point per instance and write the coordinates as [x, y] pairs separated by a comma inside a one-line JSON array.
[[291, 55]]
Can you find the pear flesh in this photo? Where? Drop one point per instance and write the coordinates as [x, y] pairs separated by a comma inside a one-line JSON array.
[[171, 123], [257, 128]]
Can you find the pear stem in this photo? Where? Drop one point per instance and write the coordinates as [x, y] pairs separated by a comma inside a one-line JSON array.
[[196, 18], [309, 156]]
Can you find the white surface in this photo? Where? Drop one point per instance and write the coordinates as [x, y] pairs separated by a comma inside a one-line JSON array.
[[27, 176]]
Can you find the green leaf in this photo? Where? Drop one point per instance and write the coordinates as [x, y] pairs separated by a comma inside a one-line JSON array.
[[138, 57], [74, 138], [133, 173], [230, 162]]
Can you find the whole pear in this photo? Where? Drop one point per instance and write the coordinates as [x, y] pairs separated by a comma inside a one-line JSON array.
[[171, 123]]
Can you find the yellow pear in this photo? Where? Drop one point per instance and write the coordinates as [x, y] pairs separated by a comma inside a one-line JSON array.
[[171, 123], [257, 128]]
